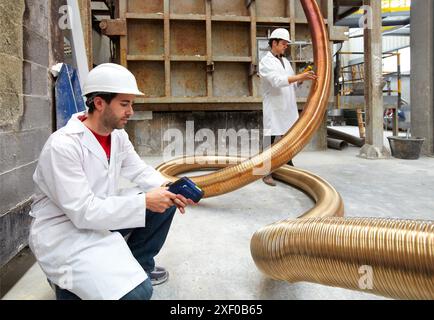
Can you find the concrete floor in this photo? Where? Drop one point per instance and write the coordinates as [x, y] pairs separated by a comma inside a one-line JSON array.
[[208, 249]]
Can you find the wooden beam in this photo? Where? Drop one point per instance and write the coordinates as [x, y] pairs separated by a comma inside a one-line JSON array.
[[167, 48], [291, 8], [123, 41], [253, 49], [86, 22], [209, 61]]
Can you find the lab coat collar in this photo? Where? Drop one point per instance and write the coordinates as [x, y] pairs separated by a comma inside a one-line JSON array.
[[89, 140]]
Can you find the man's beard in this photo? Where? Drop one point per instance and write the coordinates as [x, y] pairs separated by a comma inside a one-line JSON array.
[[111, 122]]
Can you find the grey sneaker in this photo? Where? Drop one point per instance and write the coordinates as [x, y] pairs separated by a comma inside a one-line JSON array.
[[158, 276]]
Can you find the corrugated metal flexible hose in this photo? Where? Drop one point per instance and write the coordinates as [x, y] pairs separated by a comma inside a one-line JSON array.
[[393, 258]]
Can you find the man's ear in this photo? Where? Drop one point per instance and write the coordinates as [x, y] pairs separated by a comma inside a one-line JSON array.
[[99, 103]]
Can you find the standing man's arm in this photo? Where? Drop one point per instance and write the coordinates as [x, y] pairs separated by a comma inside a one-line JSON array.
[[277, 80]]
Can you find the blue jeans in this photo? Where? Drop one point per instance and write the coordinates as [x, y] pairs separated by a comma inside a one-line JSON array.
[[145, 243]]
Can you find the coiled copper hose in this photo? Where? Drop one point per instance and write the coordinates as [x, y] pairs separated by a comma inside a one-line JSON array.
[[393, 258]]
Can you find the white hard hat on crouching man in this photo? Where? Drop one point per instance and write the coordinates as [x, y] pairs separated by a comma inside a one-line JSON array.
[[91, 239]]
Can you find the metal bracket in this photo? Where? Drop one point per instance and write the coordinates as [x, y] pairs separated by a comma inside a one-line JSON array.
[[210, 67], [253, 69]]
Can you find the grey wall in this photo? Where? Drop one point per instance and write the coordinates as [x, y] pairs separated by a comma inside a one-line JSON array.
[[148, 135], [26, 113]]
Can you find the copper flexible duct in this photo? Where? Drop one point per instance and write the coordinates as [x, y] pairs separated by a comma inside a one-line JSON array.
[[321, 246], [338, 251]]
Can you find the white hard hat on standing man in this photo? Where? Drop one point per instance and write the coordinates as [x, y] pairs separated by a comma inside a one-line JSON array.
[[280, 34]]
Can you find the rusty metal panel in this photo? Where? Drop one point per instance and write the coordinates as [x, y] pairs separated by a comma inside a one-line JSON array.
[[230, 39], [271, 8], [150, 77], [187, 52], [187, 7], [231, 79], [230, 7], [187, 38], [145, 6], [188, 79], [145, 37]]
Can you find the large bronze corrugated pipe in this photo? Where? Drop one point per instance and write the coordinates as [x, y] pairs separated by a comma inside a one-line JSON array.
[[394, 258]]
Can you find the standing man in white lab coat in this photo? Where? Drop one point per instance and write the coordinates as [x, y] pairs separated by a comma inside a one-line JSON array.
[[79, 204], [279, 82]]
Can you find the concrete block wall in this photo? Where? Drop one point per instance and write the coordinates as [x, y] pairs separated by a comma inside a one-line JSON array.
[[26, 113]]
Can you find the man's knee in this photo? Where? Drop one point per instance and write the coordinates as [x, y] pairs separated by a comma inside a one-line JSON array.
[[142, 292]]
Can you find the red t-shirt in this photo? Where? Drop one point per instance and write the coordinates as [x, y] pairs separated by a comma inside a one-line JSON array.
[[105, 141]]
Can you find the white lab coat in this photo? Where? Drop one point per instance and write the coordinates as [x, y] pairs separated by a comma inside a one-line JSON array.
[[79, 203], [280, 110]]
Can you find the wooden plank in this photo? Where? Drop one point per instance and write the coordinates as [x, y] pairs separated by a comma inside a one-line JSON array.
[[167, 71], [145, 57], [272, 19], [176, 16], [230, 18], [194, 100], [209, 62], [253, 49], [86, 22], [232, 59], [123, 41], [188, 58], [291, 8], [199, 100], [167, 107], [144, 16]]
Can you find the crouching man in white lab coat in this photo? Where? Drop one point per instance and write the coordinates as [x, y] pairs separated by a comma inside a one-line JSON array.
[[79, 204], [279, 82]]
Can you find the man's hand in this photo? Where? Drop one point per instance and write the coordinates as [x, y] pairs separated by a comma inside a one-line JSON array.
[[301, 77], [160, 199], [306, 76], [181, 202]]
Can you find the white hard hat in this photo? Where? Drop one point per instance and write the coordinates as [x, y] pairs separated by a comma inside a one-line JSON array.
[[111, 78], [280, 33]]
